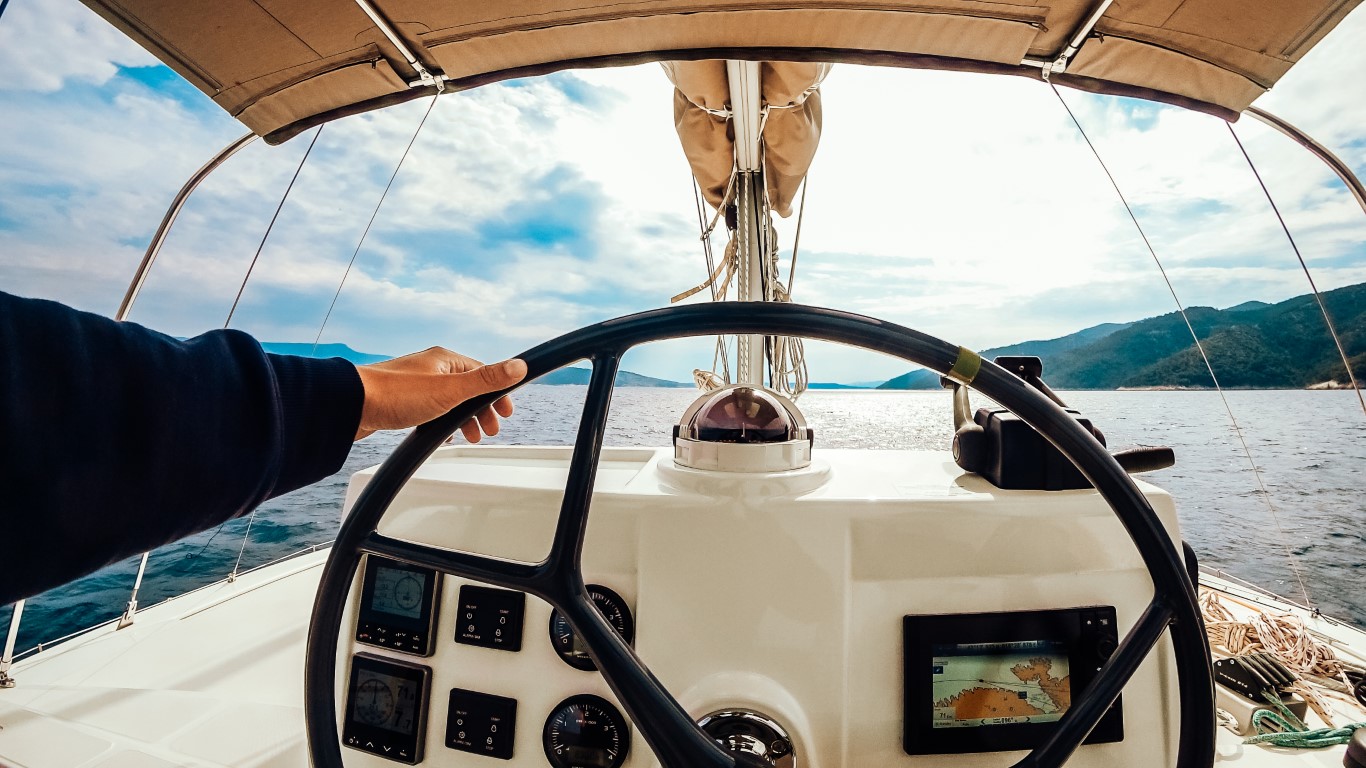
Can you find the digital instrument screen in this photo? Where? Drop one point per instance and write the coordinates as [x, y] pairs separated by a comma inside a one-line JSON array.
[[385, 701], [398, 591], [976, 684], [398, 606], [386, 708], [996, 682]]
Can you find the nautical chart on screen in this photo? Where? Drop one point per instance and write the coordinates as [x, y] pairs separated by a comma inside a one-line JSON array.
[[975, 684]]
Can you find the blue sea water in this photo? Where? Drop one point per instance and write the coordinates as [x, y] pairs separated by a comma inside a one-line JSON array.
[[1309, 448]]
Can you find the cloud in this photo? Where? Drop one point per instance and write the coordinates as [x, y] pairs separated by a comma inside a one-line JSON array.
[[45, 46], [962, 204]]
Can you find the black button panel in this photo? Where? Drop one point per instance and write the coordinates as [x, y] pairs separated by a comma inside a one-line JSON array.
[[374, 633], [396, 750], [491, 618], [481, 723]]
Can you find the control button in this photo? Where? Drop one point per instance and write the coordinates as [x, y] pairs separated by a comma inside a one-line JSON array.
[[481, 723], [491, 618]]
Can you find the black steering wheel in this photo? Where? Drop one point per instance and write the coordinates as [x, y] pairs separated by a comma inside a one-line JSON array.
[[676, 739]]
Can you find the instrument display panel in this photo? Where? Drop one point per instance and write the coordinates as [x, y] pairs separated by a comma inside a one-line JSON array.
[[386, 708], [990, 682], [398, 606]]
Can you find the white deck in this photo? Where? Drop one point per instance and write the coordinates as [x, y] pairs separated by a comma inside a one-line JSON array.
[[212, 678]]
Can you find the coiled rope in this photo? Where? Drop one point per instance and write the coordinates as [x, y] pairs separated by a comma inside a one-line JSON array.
[[1320, 674]]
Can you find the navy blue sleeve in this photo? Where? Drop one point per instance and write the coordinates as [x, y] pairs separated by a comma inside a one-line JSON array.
[[115, 439]]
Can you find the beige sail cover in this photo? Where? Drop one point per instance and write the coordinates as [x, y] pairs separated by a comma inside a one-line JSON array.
[[792, 128], [280, 66]]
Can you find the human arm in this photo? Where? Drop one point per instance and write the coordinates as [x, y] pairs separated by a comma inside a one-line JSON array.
[[115, 439]]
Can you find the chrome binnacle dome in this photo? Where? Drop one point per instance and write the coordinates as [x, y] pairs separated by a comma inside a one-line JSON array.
[[743, 428]]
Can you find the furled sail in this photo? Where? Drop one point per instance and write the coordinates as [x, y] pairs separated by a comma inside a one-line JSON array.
[[791, 127]]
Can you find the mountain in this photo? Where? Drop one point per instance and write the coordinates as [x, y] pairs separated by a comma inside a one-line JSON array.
[[833, 385], [1253, 345], [324, 350], [1246, 306], [1046, 349], [624, 379]]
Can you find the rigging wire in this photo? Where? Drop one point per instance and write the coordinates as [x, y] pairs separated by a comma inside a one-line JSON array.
[[1256, 471], [788, 371], [786, 355], [246, 537], [797, 238], [722, 353], [251, 267], [1328, 320], [708, 380], [371, 223]]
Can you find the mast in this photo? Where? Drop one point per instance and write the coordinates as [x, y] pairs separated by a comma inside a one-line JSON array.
[[751, 209]]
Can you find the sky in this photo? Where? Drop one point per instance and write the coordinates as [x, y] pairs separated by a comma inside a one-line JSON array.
[[965, 206]]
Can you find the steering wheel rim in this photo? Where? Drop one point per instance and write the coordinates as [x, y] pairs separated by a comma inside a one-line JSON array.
[[672, 734]]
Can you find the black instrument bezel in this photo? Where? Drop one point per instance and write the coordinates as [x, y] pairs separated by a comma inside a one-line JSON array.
[[1089, 634], [627, 630], [622, 725], [358, 735], [398, 630]]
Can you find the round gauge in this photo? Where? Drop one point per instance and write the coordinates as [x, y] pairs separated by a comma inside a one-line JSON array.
[[408, 592], [586, 731], [568, 644], [374, 702]]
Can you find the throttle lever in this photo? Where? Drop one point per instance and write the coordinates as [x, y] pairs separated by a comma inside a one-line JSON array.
[[1145, 458]]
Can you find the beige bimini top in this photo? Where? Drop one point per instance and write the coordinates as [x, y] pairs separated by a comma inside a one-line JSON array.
[[282, 66]]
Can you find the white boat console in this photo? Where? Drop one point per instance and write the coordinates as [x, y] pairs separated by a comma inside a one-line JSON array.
[[873, 608]]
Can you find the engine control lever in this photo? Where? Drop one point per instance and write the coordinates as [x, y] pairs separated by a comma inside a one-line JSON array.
[[1145, 458], [969, 439]]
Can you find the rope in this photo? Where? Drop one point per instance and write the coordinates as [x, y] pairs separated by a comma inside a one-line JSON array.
[[1256, 471], [708, 380], [1281, 733], [371, 223], [1332, 331], [1321, 674]]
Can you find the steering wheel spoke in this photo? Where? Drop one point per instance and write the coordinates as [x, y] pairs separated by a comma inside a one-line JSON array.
[[1095, 700], [567, 547], [503, 573]]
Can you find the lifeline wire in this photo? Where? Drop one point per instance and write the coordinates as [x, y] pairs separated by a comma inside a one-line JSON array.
[[1332, 331], [271, 226], [371, 223], [1237, 430]]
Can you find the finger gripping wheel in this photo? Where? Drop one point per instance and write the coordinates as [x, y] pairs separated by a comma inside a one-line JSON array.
[[670, 731]]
